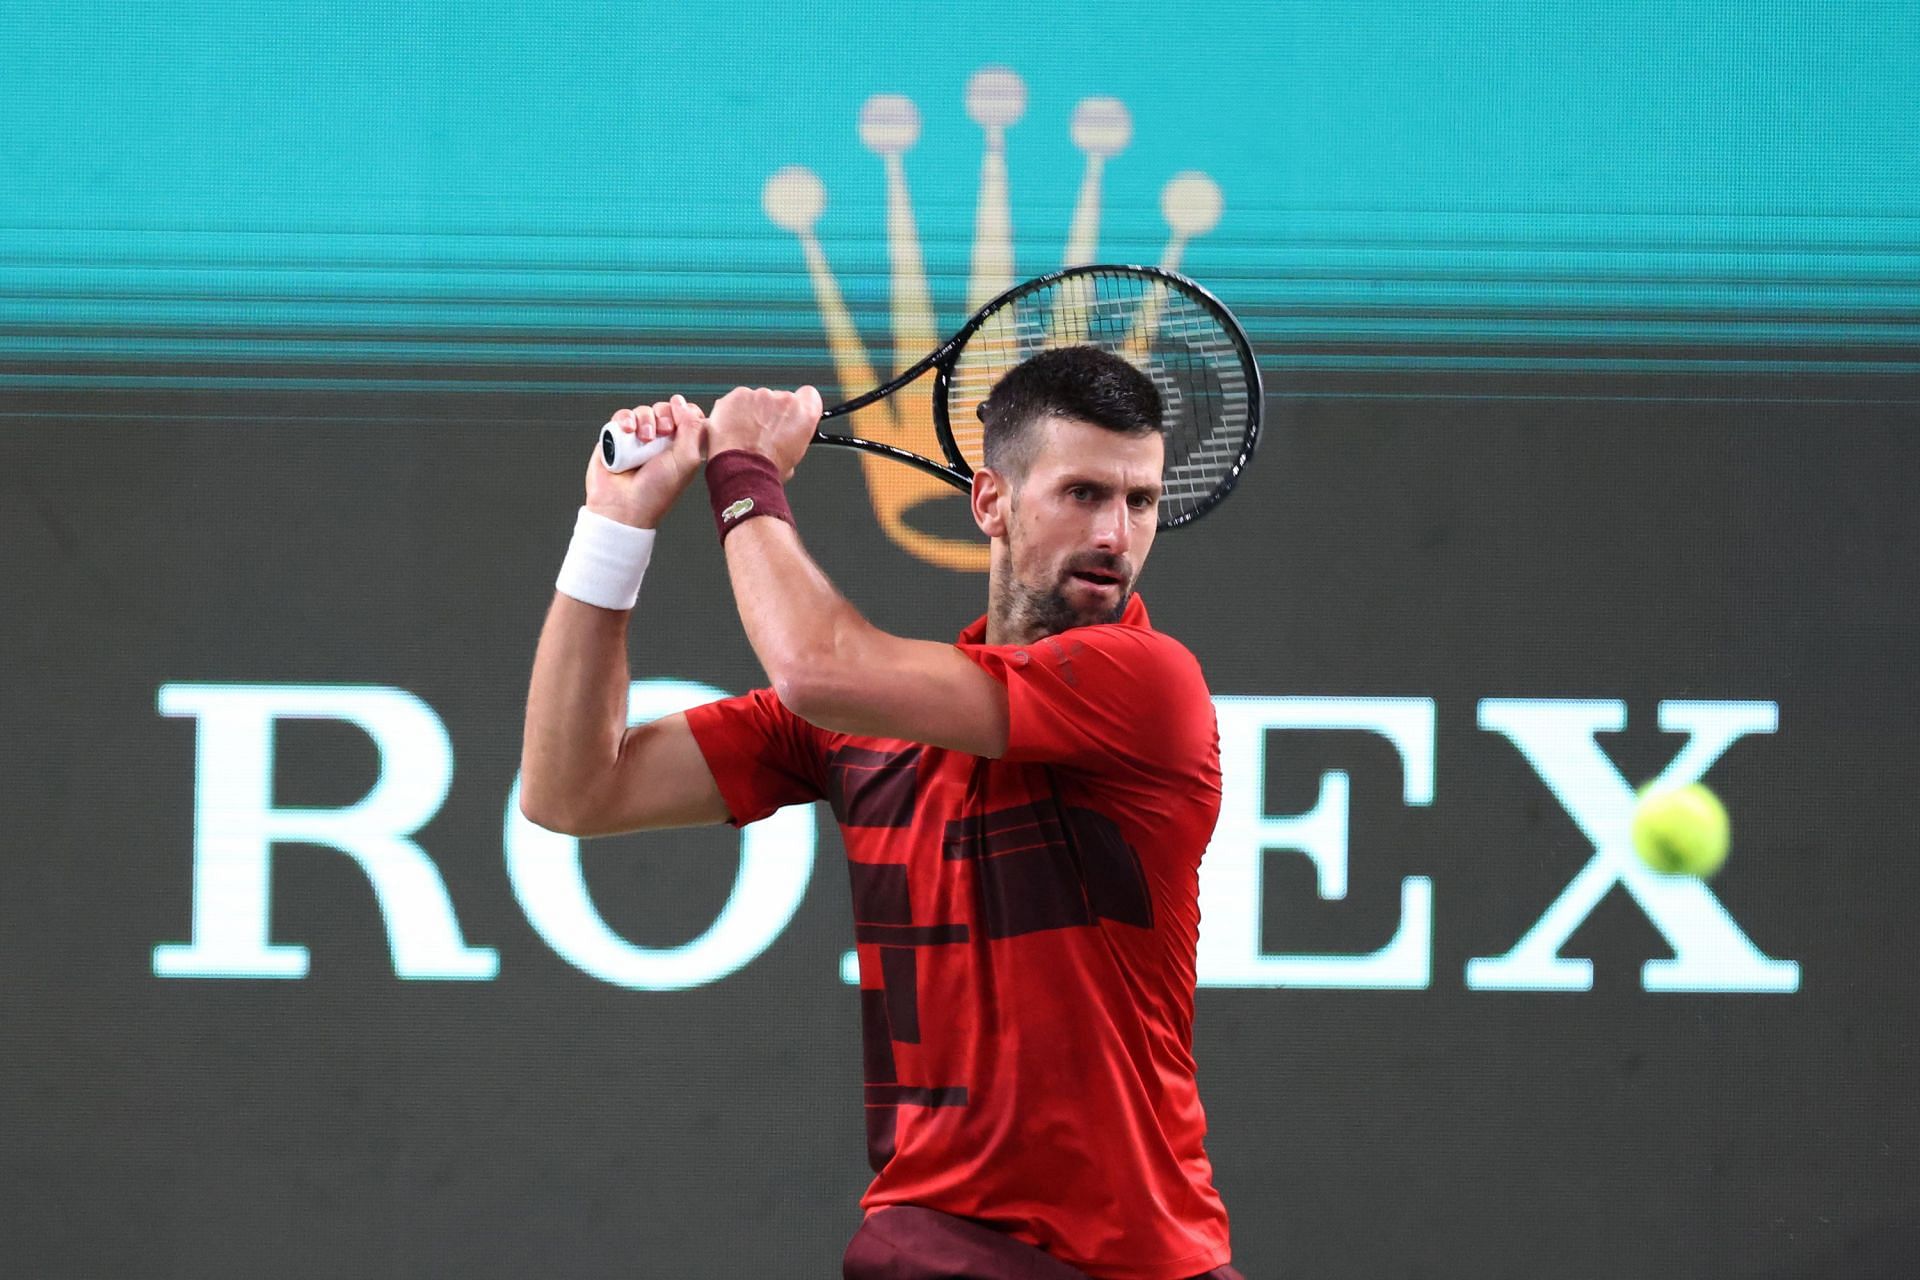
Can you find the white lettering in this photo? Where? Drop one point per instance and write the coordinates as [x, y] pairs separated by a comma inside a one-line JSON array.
[[1710, 951], [236, 827], [1231, 874]]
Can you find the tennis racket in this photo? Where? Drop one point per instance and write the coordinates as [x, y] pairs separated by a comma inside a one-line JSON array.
[[1176, 332]]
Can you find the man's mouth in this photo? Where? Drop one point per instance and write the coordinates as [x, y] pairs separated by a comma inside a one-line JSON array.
[[1094, 578]]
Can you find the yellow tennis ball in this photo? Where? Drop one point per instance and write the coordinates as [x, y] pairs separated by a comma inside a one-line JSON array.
[[1681, 830]]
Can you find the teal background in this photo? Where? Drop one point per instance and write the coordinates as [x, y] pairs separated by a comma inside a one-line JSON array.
[[575, 189]]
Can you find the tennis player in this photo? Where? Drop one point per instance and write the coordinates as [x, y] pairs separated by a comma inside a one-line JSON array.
[[1024, 813]]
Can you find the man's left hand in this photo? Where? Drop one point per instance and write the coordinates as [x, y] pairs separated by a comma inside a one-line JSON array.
[[777, 425]]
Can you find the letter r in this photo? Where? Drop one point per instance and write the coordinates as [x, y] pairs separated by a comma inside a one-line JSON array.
[[236, 825]]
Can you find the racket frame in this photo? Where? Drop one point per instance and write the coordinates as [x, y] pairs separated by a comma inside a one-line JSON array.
[[959, 472]]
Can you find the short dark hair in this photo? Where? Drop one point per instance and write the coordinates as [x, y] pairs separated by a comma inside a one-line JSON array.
[[1083, 383]]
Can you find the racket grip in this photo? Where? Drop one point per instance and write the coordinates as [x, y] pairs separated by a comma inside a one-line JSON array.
[[621, 451]]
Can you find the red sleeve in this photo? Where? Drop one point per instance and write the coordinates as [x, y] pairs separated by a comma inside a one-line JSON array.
[[1097, 695], [761, 755]]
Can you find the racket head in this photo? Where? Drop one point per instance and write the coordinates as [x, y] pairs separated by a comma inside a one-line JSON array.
[[1169, 327]]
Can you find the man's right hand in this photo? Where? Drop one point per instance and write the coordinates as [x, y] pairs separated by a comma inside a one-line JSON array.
[[642, 497]]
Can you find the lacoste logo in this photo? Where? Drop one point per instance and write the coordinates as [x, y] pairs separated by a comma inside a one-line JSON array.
[[794, 198], [1063, 656], [735, 510]]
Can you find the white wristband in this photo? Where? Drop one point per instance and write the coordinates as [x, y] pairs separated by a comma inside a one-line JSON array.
[[605, 562]]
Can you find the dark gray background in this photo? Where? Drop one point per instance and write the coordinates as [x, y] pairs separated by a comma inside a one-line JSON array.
[[1639, 539]]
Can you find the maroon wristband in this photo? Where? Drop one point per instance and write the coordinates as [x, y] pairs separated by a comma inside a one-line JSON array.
[[742, 484]]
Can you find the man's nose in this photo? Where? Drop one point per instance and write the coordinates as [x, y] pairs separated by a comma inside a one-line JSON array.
[[1113, 529]]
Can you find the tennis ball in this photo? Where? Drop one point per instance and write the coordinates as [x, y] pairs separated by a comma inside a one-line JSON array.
[[1681, 830]]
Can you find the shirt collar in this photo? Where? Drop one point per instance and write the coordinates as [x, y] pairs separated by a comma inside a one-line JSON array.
[[1134, 615]]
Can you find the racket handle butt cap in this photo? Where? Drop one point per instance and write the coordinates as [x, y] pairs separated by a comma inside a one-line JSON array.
[[621, 451]]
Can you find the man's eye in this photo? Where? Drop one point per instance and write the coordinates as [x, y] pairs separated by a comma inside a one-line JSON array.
[[1079, 493], [1142, 501]]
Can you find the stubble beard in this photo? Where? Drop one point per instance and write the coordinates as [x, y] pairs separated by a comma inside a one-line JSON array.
[[1031, 612]]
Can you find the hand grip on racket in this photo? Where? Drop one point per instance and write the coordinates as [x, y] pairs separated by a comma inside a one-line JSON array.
[[1166, 325], [624, 451]]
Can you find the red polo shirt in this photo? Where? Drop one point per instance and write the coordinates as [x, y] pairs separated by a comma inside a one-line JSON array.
[[1026, 931]]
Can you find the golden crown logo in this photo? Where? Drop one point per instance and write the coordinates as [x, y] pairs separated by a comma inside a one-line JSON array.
[[794, 198]]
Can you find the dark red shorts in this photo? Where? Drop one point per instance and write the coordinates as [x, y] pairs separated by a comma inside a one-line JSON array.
[[904, 1242]]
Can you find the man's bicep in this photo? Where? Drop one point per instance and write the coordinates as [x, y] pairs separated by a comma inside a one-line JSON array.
[[661, 779], [914, 690]]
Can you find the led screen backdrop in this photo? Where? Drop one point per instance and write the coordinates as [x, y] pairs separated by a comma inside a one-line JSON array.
[[1592, 339]]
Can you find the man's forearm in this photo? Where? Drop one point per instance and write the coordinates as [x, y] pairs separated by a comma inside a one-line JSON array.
[[800, 626], [828, 665], [839, 672], [576, 709]]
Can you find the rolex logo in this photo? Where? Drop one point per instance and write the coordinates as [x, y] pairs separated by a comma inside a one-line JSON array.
[[794, 198]]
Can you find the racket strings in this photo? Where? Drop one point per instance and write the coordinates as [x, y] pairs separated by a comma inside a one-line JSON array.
[[1176, 339]]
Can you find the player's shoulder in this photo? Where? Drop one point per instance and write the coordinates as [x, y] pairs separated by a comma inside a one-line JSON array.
[[1154, 686], [1145, 653], [1125, 637]]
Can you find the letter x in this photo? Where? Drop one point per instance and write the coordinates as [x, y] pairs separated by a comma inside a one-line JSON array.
[[1710, 953]]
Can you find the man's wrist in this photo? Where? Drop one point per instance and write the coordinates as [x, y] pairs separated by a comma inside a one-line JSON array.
[[605, 561], [742, 484], [627, 518]]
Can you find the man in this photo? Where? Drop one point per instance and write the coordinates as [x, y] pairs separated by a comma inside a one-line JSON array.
[[1024, 814]]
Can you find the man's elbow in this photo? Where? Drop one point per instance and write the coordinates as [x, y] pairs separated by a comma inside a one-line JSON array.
[[801, 690], [821, 689], [540, 815], [544, 810]]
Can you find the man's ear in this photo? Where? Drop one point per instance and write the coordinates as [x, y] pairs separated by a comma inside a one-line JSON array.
[[992, 502]]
